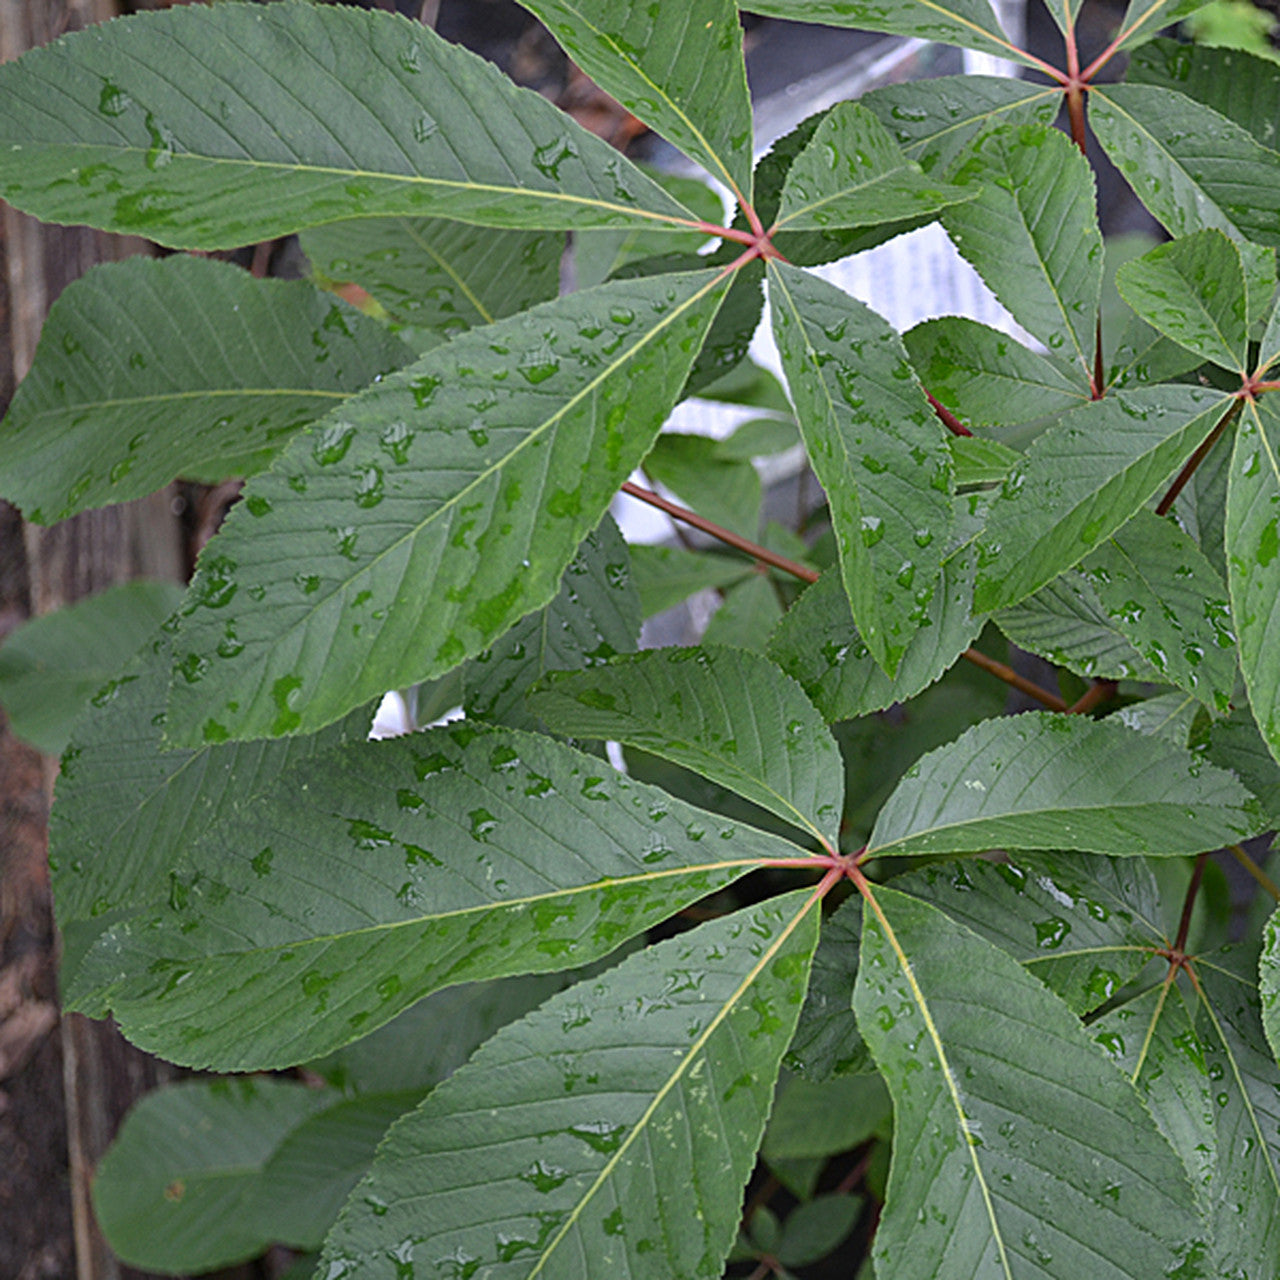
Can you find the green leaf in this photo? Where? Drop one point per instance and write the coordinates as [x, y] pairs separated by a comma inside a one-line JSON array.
[[1167, 715], [1193, 291], [1084, 926], [1157, 587], [877, 448], [759, 438], [1269, 982], [150, 369], [1201, 1065], [1032, 234], [747, 616], [827, 1043], [666, 576], [128, 813], [933, 121], [816, 1228], [51, 666], [600, 1163], [1065, 13], [725, 491], [818, 644], [986, 377], [1253, 558], [293, 116], [1193, 168], [852, 174], [1244, 88], [981, 462], [1066, 623], [968, 23], [439, 275], [1001, 1107], [379, 873], [822, 1119], [191, 1157], [1143, 18], [678, 69], [1234, 743], [595, 616], [1082, 479], [729, 715], [1047, 781], [409, 510]]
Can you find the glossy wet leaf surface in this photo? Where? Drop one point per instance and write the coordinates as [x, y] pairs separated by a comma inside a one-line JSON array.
[[291, 118], [877, 448], [1045, 781], [147, 370], [1001, 1107], [391, 869], [691, 706], [409, 510], [581, 1117], [1082, 479], [1253, 558]]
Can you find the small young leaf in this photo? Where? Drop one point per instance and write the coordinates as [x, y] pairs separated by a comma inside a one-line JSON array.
[[823, 1119], [1066, 623], [150, 369], [193, 1155], [1032, 234], [387, 870], [1047, 781], [1156, 586], [439, 275], [1193, 291], [1082, 479], [968, 23], [595, 616], [1193, 168], [424, 553], [852, 174], [51, 666], [1001, 1107], [759, 438], [878, 449], [666, 576], [677, 68], [747, 617], [1253, 558], [725, 491], [292, 117], [628, 1159], [814, 1229], [986, 377], [1244, 88], [729, 715]]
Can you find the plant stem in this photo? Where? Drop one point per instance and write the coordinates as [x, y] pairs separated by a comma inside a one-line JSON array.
[[949, 419], [1098, 692], [763, 555], [1195, 460], [1188, 905], [1255, 871]]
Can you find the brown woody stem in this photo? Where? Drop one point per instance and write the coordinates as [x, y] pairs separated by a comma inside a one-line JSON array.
[[1166, 503]]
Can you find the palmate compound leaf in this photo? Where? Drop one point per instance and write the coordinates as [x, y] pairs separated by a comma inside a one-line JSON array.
[[853, 174], [1193, 291], [1200, 1062], [1047, 781], [1019, 1151], [387, 870], [877, 448], [678, 68], [1253, 557], [1032, 234], [612, 1130], [129, 812], [968, 23], [150, 369], [1082, 479], [410, 530], [439, 275], [727, 714], [1193, 168], [290, 116]]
